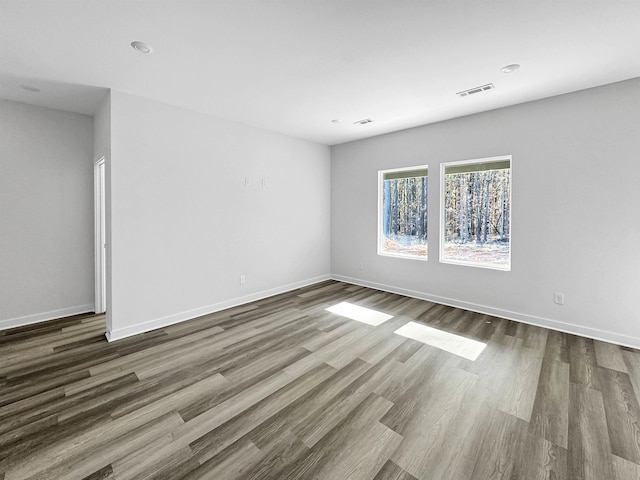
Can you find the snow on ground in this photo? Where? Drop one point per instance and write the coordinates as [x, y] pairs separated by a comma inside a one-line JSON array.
[[490, 253]]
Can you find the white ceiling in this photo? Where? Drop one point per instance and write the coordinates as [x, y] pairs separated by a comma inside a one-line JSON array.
[[292, 66]]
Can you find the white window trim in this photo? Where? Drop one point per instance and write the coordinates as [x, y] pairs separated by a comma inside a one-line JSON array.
[[380, 215], [506, 268]]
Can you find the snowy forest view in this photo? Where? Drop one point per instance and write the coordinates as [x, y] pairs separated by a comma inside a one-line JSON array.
[[404, 215], [477, 215]]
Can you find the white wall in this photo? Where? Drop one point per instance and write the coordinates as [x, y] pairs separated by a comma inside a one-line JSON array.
[[102, 148], [576, 178], [102, 128], [46, 214], [184, 226]]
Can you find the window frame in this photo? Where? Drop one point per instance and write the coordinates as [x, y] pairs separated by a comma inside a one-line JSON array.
[[443, 231], [380, 204]]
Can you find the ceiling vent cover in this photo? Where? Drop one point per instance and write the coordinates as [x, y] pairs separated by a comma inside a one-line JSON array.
[[363, 122], [473, 91]]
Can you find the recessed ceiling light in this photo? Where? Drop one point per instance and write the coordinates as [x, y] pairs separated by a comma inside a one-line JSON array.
[[335, 120], [29, 88], [142, 47], [510, 68]]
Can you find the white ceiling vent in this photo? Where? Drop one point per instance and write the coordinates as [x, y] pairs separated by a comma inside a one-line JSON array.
[[363, 122], [473, 91]]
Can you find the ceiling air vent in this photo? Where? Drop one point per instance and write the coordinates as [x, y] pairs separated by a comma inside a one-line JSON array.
[[363, 122], [473, 91]]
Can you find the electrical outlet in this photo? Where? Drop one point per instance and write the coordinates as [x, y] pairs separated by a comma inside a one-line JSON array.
[[558, 298], [242, 279], [361, 266], [247, 181]]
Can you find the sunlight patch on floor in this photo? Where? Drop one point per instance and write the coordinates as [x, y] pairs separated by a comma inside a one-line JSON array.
[[358, 313], [456, 344]]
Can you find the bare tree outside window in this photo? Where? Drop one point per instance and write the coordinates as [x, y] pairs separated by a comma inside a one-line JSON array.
[[403, 217], [477, 213]]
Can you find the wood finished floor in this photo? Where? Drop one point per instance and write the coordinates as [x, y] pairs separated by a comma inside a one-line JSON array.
[[282, 389]]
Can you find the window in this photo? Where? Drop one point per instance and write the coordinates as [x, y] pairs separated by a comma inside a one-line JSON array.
[[476, 216], [402, 219]]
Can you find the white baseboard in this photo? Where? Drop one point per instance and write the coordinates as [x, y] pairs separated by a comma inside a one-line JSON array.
[[117, 334], [44, 316], [574, 329]]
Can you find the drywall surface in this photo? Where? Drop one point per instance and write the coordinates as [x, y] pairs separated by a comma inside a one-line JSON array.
[[102, 128], [102, 149], [575, 219], [196, 202], [46, 214]]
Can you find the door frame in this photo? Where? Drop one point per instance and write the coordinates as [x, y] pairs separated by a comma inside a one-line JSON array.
[[100, 235]]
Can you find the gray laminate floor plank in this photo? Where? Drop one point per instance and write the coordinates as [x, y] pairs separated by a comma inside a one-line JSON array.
[[582, 360], [550, 416], [231, 431], [609, 356], [632, 360], [429, 436], [622, 413], [391, 471], [281, 389], [625, 470], [589, 452]]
